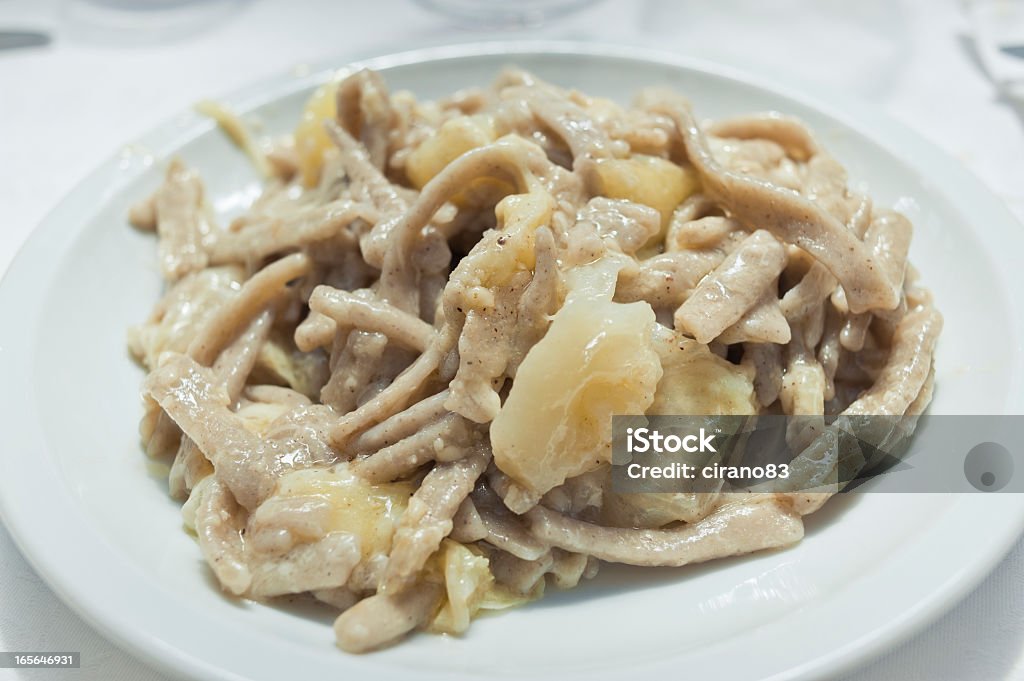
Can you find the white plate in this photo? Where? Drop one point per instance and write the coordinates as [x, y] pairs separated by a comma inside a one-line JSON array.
[[99, 527]]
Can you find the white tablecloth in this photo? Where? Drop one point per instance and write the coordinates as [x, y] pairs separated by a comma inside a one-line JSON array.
[[65, 107]]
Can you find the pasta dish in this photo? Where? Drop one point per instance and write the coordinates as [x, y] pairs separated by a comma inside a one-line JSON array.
[[388, 385]]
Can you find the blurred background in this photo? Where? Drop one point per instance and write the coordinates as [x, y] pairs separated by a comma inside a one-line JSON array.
[[79, 78]]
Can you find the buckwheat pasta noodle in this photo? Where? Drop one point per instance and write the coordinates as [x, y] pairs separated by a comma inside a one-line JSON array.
[[389, 383]]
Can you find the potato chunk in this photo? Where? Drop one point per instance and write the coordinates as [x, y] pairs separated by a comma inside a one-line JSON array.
[[697, 382], [453, 139], [649, 180], [596, 360]]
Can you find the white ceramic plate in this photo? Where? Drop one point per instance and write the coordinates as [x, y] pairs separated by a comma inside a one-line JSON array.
[[99, 527]]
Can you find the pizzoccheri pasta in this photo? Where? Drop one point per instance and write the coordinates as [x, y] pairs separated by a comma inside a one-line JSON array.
[[389, 383]]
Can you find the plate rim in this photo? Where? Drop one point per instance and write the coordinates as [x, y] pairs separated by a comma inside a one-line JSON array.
[[174, 131]]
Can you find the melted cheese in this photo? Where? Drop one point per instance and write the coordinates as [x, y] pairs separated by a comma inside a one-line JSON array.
[[371, 512]]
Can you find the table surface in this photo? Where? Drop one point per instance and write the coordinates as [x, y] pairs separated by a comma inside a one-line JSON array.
[[66, 106]]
